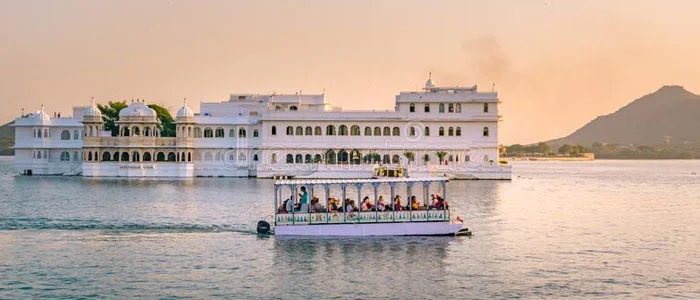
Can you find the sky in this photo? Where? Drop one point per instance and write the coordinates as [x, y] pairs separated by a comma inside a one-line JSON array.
[[556, 64]]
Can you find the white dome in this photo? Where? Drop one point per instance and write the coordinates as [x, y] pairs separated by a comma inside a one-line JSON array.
[[430, 84], [137, 109], [185, 112], [92, 111], [40, 116]]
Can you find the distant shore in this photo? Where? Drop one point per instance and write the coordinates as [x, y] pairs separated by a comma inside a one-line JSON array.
[[548, 158]]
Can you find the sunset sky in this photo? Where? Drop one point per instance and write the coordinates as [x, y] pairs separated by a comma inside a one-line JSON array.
[[556, 64]]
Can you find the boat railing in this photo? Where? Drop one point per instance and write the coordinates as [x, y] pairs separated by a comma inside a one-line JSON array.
[[302, 218]]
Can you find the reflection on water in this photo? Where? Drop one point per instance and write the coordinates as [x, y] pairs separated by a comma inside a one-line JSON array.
[[604, 228]]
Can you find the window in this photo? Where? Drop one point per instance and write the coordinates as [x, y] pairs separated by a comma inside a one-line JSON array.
[[65, 135], [65, 156], [308, 131], [299, 131], [342, 130], [290, 130], [368, 131], [241, 133], [147, 131], [106, 156], [441, 131], [256, 133], [377, 131], [75, 156], [427, 131], [220, 132], [395, 159], [355, 130], [89, 156], [387, 131], [46, 133], [459, 108], [412, 107], [171, 156], [317, 158], [298, 159], [317, 130], [396, 132], [486, 157], [450, 131], [76, 134], [426, 108], [293, 107], [147, 156], [451, 108], [38, 133], [197, 132], [458, 131], [273, 130], [255, 157], [274, 158], [278, 107], [160, 156], [231, 133], [441, 108], [412, 131], [330, 130], [307, 159], [486, 107], [208, 132], [135, 157], [486, 131], [467, 158], [134, 131]]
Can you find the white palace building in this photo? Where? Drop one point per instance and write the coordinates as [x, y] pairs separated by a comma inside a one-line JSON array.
[[439, 131]]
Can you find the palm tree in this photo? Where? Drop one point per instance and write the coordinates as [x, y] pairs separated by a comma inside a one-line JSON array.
[[409, 156], [441, 155]]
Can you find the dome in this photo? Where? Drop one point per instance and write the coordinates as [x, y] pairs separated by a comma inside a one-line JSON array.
[[41, 116], [92, 111], [430, 84], [185, 111], [137, 109]]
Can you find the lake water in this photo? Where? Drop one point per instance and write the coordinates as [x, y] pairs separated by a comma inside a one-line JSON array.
[[598, 229]]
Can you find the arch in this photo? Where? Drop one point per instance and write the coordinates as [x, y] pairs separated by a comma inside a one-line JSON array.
[[441, 131], [89, 156], [330, 130], [65, 135], [160, 156], [426, 132], [298, 158], [426, 108], [486, 158], [299, 131], [486, 131], [135, 156], [189, 156], [147, 156], [317, 130], [308, 130], [255, 157], [330, 156], [450, 158], [387, 131], [182, 156], [412, 107], [441, 108], [458, 131], [76, 134], [368, 131], [124, 156], [467, 157], [115, 156], [307, 158], [172, 157], [208, 133], [386, 159], [274, 158], [355, 157], [134, 131], [342, 156], [231, 133], [396, 131], [486, 107], [451, 108], [342, 130], [65, 156], [451, 131], [273, 130], [290, 130], [317, 158], [377, 131], [395, 159], [46, 133], [242, 133], [75, 156], [412, 131], [255, 133], [197, 132], [189, 131], [106, 156], [293, 107], [147, 131], [458, 108], [290, 158], [125, 131], [355, 130], [278, 107]]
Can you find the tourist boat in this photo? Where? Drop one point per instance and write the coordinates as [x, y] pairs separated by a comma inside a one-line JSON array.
[[302, 220]]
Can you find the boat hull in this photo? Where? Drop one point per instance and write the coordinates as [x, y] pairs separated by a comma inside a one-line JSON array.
[[370, 229]]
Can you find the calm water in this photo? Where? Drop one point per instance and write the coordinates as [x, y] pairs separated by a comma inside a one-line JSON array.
[[599, 229]]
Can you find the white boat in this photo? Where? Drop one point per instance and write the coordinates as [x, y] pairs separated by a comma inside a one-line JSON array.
[[429, 219]]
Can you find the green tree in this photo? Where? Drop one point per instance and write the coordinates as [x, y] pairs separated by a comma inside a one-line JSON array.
[[409, 155], [440, 155], [544, 148], [110, 115], [565, 149], [167, 126]]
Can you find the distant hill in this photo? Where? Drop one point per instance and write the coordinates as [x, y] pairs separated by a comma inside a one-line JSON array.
[[670, 116], [7, 139]]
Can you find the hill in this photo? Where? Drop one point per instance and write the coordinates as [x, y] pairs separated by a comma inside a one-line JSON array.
[[669, 117], [7, 139]]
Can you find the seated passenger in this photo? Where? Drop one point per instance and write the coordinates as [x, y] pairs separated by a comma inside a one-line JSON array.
[[433, 201], [283, 207], [289, 205], [366, 205], [350, 205], [381, 205], [333, 205], [441, 203], [414, 203], [397, 203], [316, 205]]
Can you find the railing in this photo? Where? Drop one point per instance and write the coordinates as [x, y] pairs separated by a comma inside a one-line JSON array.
[[301, 218]]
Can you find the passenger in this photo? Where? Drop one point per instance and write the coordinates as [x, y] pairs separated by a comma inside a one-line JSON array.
[[316, 205], [397, 203], [289, 205], [366, 205], [350, 205], [283, 207], [440, 203], [381, 205], [414, 203], [433, 201], [333, 205]]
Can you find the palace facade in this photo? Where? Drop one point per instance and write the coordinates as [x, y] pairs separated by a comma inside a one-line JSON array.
[[445, 131]]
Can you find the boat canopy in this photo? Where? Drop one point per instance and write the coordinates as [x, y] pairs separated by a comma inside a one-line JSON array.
[[359, 181]]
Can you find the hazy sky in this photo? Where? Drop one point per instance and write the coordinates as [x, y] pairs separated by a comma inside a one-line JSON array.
[[556, 64]]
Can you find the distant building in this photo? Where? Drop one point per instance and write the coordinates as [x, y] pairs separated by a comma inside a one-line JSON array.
[[449, 131]]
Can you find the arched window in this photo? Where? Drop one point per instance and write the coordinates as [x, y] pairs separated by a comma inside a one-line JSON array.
[[450, 131], [106, 156], [451, 158], [89, 156], [486, 157], [160, 156], [441, 131], [134, 131], [387, 131], [441, 108], [307, 159], [124, 156], [115, 156], [293, 107], [451, 108], [208, 132], [290, 130], [396, 132], [386, 159], [255, 133], [220, 132], [232, 133], [412, 131], [486, 107], [330, 130], [75, 156], [426, 108], [486, 131], [135, 156], [330, 156], [147, 156], [273, 130], [290, 158], [458, 131], [342, 156], [197, 132], [125, 131], [395, 159], [274, 158], [459, 108], [308, 130], [255, 157], [377, 131], [147, 131], [368, 131], [355, 130], [171, 156], [241, 133], [65, 156], [317, 158], [317, 130], [76, 134], [65, 135], [278, 107], [46, 133], [189, 156], [298, 159], [412, 107], [342, 130], [300, 131], [426, 132]]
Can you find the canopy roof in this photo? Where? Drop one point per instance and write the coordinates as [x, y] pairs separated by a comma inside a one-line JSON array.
[[363, 181]]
